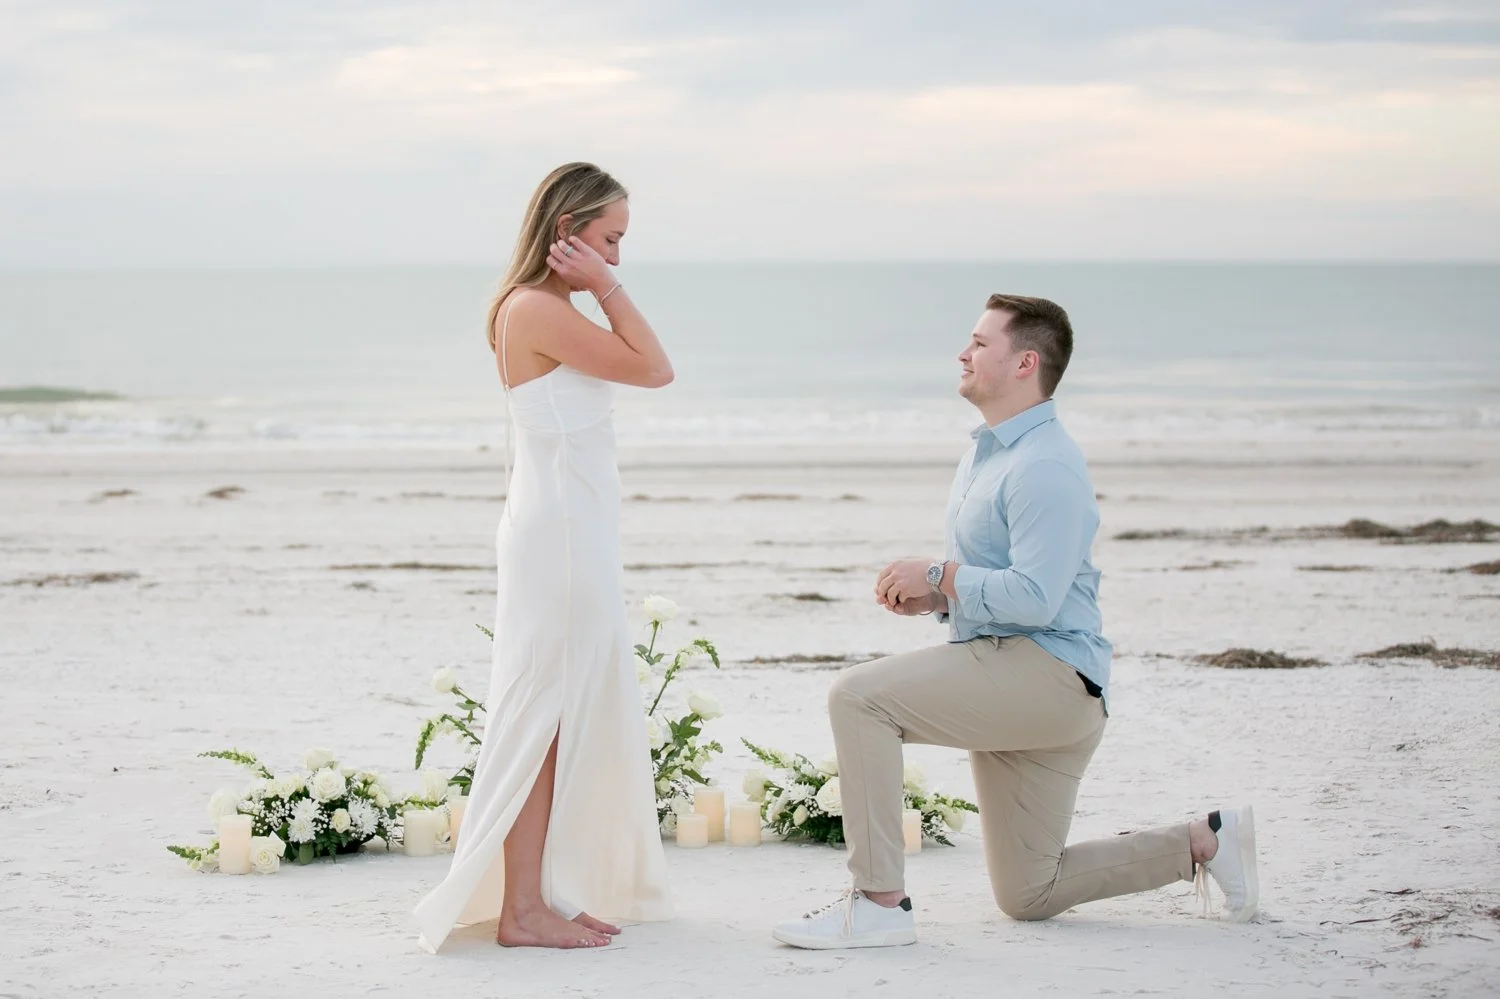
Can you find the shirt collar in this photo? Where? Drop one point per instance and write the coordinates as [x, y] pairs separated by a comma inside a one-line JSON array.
[[1020, 425]]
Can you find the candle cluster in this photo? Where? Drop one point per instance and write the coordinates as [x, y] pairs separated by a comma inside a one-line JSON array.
[[708, 822]]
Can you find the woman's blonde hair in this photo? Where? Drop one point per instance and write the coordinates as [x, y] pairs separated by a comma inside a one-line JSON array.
[[579, 190]]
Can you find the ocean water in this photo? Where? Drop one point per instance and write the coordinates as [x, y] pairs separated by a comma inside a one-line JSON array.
[[765, 353]]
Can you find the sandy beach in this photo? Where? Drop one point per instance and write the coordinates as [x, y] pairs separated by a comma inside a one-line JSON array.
[[156, 604]]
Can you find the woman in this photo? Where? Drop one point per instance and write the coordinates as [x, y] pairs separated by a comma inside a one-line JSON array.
[[561, 821]]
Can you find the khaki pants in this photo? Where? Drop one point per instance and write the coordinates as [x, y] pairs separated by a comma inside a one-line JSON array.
[[1030, 728]]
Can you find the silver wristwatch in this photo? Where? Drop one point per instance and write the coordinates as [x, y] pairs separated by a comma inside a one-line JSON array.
[[935, 575]]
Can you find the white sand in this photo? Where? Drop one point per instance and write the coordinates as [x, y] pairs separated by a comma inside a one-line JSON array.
[[1368, 779]]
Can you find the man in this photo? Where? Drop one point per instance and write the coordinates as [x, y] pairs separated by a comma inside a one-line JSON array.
[[1023, 682]]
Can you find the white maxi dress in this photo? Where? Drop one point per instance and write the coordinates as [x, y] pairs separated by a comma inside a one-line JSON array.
[[562, 666]]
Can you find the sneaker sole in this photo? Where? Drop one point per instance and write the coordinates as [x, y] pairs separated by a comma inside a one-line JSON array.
[[1245, 836], [890, 938]]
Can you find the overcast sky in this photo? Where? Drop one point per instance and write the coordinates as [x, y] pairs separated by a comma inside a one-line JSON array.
[[183, 132]]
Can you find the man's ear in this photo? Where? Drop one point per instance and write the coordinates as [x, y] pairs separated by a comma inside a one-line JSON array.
[[1031, 363]]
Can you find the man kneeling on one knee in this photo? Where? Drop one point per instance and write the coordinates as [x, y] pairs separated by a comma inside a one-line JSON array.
[[1022, 682]]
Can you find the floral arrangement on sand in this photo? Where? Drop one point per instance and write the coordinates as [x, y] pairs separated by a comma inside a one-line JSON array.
[[800, 799], [321, 810]]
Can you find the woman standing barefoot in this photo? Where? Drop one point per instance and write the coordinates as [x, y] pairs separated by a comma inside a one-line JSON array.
[[561, 820]]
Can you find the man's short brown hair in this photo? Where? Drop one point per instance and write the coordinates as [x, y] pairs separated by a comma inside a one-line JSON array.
[[1039, 325]]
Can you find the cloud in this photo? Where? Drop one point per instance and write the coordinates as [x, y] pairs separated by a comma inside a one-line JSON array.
[[863, 129]]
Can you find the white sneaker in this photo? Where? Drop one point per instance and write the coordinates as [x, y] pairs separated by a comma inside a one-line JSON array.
[[1233, 867], [851, 921]]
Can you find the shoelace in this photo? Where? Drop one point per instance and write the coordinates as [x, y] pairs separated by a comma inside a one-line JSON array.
[[847, 901], [1200, 888]]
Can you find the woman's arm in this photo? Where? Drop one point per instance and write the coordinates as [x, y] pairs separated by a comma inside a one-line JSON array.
[[628, 352]]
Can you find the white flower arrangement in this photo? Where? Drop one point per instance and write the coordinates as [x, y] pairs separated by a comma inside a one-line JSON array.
[[800, 799], [321, 814]]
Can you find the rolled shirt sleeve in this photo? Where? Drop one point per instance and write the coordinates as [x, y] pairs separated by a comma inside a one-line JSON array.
[[1051, 515]]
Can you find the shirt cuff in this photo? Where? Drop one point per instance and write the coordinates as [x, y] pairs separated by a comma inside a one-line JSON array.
[[968, 584]]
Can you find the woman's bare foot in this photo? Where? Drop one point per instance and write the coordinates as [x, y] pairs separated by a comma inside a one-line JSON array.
[[597, 925], [541, 927]]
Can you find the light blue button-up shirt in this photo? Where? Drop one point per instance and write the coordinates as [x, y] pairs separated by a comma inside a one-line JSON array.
[[1021, 520]]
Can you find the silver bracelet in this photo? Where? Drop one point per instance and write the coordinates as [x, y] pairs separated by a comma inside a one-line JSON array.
[[610, 292]]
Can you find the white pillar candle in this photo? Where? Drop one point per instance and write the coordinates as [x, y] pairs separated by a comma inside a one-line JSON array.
[[692, 831], [456, 809], [234, 844], [744, 824], [911, 830], [709, 802], [420, 831]]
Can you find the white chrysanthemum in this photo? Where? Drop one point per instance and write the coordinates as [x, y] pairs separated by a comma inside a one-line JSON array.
[[829, 798], [224, 802], [914, 778], [659, 609], [434, 786], [705, 706], [266, 853], [301, 831], [362, 817], [444, 680], [755, 785], [307, 810], [953, 816], [655, 735], [800, 815], [327, 784], [317, 759], [340, 821], [669, 824], [829, 765], [799, 792]]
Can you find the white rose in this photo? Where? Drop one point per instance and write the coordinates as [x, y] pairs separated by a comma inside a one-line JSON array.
[[659, 609], [830, 765], [669, 824], [914, 778], [662, 787], [800, 815], [317, 759], [266, 853], [340, 821], [705, 706], [285, 787], [829, 799], [224, 802], [444, 680], [682, 806], [259, 789], [654, 734], [327, 784], [382, 800], [755, 785]]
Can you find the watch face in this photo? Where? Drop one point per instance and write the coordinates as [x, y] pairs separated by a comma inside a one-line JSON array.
[[935, 573]]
